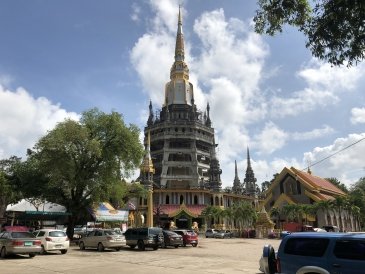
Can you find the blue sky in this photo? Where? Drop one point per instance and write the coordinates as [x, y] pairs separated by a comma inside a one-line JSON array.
[[59, 58]]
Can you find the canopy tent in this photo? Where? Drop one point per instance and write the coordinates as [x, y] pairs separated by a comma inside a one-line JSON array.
[[35, 209], [105, 212]]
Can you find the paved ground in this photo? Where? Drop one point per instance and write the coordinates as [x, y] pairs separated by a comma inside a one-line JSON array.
[[211, 256]]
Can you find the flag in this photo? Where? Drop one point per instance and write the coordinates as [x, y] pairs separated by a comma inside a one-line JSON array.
[[131, 205]]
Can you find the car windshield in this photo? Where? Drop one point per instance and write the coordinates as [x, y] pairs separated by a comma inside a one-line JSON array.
[[17, 235], [57, 234], [110, 232], [155, 230]]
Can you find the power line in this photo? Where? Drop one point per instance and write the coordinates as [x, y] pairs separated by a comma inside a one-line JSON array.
[[333, 154]]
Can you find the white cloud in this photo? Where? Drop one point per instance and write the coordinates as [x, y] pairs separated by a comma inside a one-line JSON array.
[[324, 85], [313, 134], [347, 162], [301, 101], [227, 72], [25, 119], [136, 10], [166, 14], [229, 67], [320, 75], [271, 138], [357, 116]]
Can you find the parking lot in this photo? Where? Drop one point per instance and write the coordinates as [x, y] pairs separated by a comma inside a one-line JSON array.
[[210, 256]]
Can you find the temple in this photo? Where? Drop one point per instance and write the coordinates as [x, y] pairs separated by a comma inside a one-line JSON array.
[[181, 163]]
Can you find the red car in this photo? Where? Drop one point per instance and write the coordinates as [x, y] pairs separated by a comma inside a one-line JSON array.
[[189, 237]]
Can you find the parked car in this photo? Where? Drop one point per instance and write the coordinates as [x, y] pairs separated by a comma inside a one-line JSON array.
[[210, 233], [284, 233], [171, 238], [331, 228], [52, 240], [19, 242], [317, 229], [189, 237], [223, 234], [101, 239], [316, 252], [144, 237]]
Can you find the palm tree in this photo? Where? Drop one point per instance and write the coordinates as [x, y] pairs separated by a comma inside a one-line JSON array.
[[308, 209], [291, 212], [211, 213], [229, 215], [245, 215], [339, 204], [275, 213], [355, 211], [325, 206]]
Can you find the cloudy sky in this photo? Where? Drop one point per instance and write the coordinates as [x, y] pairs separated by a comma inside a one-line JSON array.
[[59, 58]]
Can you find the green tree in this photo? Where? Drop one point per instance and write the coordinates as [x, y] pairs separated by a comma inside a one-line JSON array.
[[245, 215], [340, 203], [211, 213], [325, 206], [338, 184], [357, 198], [275, 213], [307, 210], [334, 29], [291, 211], [80, 163], [8, 190]]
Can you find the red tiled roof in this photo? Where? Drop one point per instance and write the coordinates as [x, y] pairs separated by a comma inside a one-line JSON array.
[[321, 196], [319, 182], [172, 210]]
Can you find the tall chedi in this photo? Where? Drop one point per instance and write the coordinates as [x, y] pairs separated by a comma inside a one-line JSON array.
[[237, 187], [146, 178], [182, 138], [250, 180]]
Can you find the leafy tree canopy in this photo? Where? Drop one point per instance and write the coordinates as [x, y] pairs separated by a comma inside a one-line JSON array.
[[337, 183], [78, 164], [8, 190], [335, 30]]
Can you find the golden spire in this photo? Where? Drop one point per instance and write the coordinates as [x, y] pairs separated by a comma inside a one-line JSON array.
[[179, 90], [147, 165]]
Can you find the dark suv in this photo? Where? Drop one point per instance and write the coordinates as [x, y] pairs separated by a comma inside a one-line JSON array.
[[144, 237], [316, 253]]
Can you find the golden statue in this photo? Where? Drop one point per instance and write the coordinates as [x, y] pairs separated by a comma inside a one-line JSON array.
[[131, 219]]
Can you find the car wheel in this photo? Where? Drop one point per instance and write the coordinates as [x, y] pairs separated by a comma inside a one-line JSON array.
[[194, 245], [31, 255], [184, 244], [268, 255], [141, 245], [206, 236], [176, 246], [132, 246], [63, 251], [43, 251], [100, 247], [3, 252], [155, 247], [117, 249], [82, 246]]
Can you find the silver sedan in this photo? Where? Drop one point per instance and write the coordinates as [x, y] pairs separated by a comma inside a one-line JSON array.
[[101, 239], [13, 242]]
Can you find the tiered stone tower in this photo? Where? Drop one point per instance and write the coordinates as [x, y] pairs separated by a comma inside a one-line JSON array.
[[182, 139], [250, 180]]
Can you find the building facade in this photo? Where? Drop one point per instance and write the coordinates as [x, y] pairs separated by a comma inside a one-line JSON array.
[[181, 143], [293, 186]]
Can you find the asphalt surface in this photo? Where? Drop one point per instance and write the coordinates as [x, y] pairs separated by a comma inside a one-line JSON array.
[[210, 256]]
